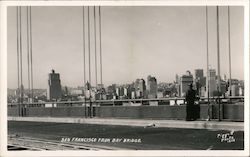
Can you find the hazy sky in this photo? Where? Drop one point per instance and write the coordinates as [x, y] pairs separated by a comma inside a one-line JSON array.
[[136, 42]]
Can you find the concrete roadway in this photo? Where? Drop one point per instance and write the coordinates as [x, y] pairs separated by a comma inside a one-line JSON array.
[[145, 138]]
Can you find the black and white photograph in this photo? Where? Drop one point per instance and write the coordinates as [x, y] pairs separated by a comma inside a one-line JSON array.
[[95, 78]]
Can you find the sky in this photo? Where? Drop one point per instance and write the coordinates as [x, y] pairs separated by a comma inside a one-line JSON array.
[[161, 41]]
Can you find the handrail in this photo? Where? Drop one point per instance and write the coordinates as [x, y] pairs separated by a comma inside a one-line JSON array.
[[121, 100]]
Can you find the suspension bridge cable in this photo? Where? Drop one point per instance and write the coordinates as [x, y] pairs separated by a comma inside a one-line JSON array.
[[229, 50], [89, 48], [218, 63], [207, 49], [18, 48], [20, 45], [90, 113], [100, 36], [218, 47], [18, 63], [84, 47], [95, 47], [28, 50], [84, 59], [31, 54]]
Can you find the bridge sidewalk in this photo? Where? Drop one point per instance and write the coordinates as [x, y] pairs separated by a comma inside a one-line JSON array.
[[214, 125]]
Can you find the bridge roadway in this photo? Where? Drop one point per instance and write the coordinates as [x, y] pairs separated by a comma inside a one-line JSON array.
[[147, 134], [212, 125]]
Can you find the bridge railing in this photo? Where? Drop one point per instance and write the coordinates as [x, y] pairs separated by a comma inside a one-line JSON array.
[[127, 102], [231, 109]]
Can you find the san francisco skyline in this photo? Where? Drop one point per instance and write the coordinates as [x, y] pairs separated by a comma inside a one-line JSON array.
[[137, 41]]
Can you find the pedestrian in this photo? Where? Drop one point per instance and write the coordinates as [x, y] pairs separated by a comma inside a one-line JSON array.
[[190, 106]]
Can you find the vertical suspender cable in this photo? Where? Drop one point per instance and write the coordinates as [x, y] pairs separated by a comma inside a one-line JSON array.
[[31, 55], [89, 48], [218, 62], [18, 64], [95, 48], [28, 51], [218, 48], [207, 63], [18, 48], [84, 59], [89, 64], [229, 50], [20, 45], [83, 30], [100, 34]]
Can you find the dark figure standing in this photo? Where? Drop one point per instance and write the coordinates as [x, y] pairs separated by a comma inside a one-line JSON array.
[[192, 110]]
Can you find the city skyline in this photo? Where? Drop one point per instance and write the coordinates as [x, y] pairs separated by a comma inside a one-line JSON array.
[[134, 80], [141, 45]]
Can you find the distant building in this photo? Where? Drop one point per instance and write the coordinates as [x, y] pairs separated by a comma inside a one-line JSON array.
[[202, 92], [152, 87], [185, 81], [234, 81], [54, 90], [133, 95], [76, 92], [236, 86], [176, 78], [128, 91], [212, 82], [120, 92], [140, 88], [198, 73], [125, 91], [117, 91], [111, 89], [241, 91], [241, 88], [178, 89], [200, 80], [235, 90]]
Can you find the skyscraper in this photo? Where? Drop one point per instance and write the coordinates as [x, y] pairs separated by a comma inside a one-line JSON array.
[[200, 80], [212, 81], [200, 77], [152, 87], [140, 88], [198, 73], [54, 90]]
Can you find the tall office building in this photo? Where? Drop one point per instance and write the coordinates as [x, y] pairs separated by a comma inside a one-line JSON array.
[[176, 78], [200, 80], [152, 87], [200, 77], [198, 73], [185, 81], [212, 82], [54, 90], [140, 88]]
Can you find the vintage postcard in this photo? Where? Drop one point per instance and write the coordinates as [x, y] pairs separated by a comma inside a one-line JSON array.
[[124, 78]]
